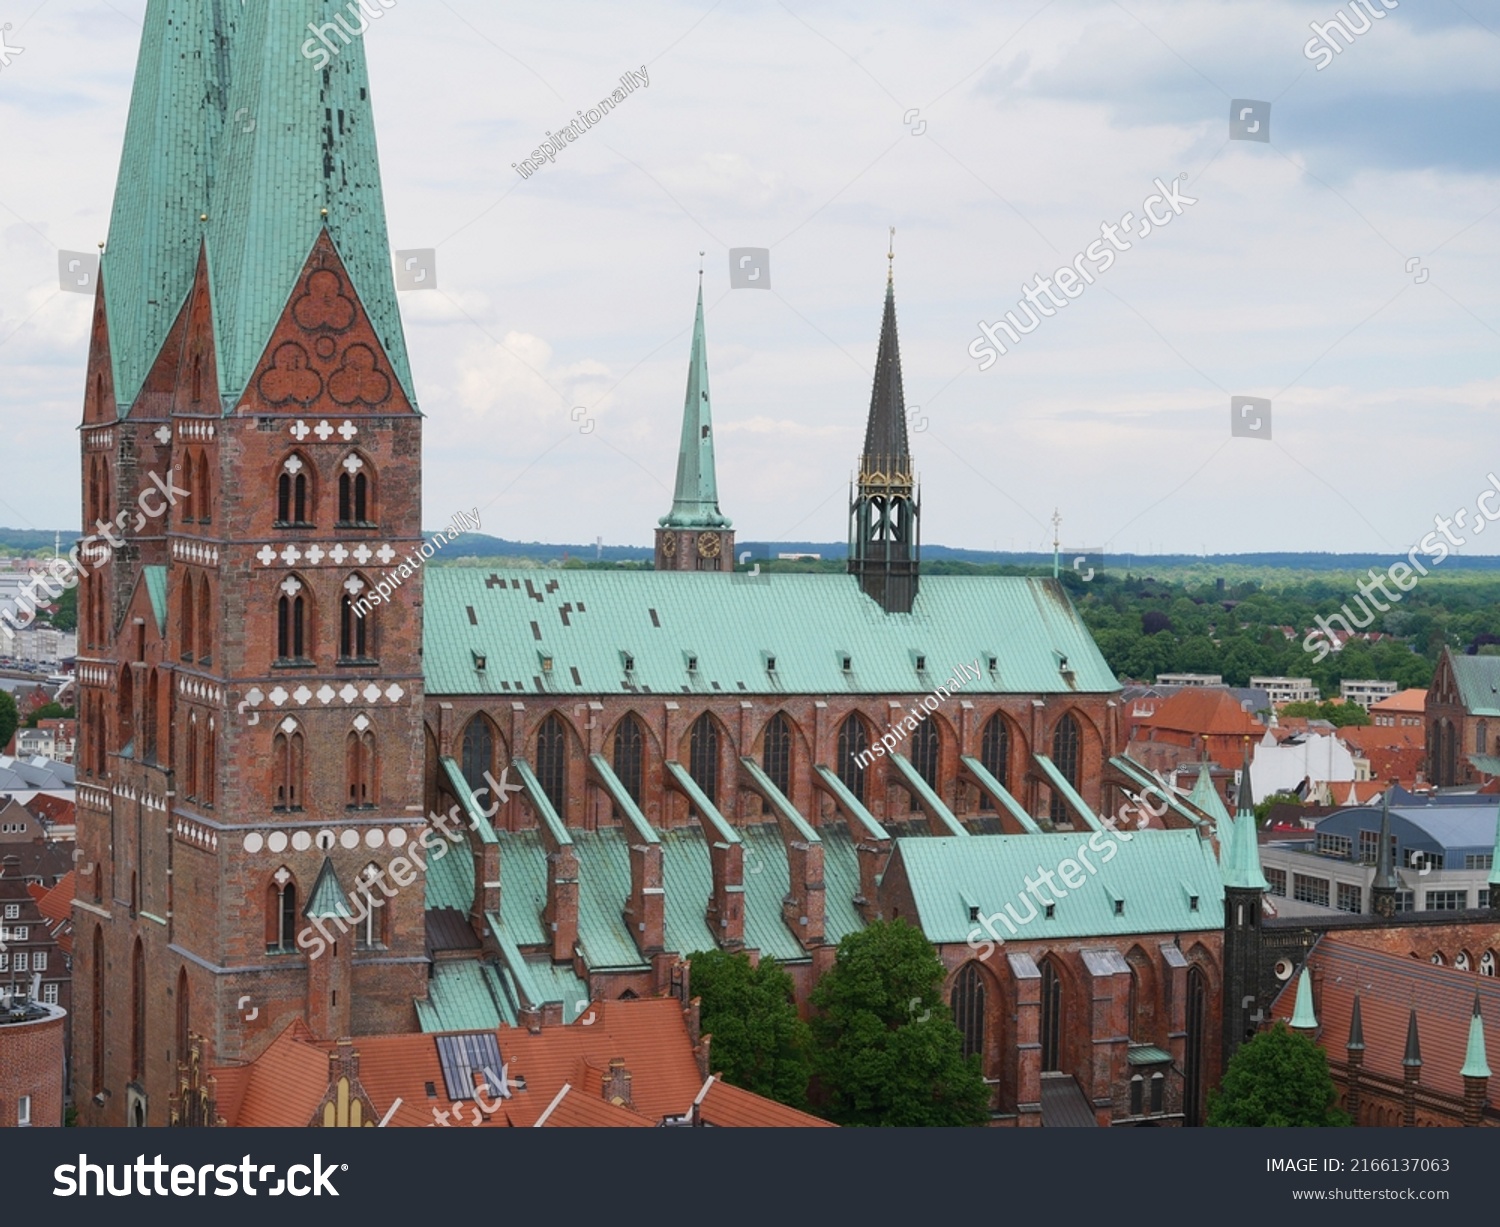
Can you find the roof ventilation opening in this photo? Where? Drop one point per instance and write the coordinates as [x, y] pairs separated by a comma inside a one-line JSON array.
[[1051, 910], [994, 663], [628, 661], [546, 663], [1192, 903], [921, 664], [692, 664], [770, 664], [973, 912], [847, 662], [1119, 907], [479, 661]]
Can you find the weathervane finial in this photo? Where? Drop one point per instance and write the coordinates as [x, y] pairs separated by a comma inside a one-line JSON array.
[[700, 266], [890, 255]]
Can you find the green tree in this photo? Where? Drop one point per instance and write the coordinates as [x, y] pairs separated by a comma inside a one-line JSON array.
[[886, 1050], [10, 718], [1263, 807], [49, 711], [759, 1043], [1279, 1079]]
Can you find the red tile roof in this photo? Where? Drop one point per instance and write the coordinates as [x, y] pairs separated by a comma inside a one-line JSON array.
[[1389, 986], [1412, 701], [1204, 710], [572, 1108], [56, 907], [729, 1106]]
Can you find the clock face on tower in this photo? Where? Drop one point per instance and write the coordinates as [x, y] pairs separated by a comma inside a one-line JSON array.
[[708, 545], [669, 544]]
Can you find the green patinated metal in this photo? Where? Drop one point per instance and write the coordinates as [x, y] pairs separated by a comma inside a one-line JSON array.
[[1303, 1017], [1070, 794], [175, 125], [849, 803], [1478, 679], [767, 789], [922, 791], [327, 898], [1147, 873], [156, 588], [589, 622], [695, 501], [298, 141], [1001, 795], [468, 802], [1475, 1064]]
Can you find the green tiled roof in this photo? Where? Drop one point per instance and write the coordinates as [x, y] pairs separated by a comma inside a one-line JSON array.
[[926, 797], [156, 589], [1478, 679], [1147, 1054], [450, 881], [176, 115], [840, 884], [465, 995], [468, 801], [1156, 872], [603, 888], [1000, 793], [327, 899], [523, 885], [570, 633], [306, 143]]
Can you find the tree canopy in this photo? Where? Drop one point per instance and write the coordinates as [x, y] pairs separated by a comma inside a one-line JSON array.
[[10, 718], [759, 1043], [886, 1050], [1279, 1079]]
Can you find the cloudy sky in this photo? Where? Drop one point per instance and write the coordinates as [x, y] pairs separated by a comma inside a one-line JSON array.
[[1345, 269]]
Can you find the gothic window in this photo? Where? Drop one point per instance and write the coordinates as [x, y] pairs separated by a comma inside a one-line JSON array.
[[356, 482], [925, 746], [204, 493], [286, 769], [1481, 737], [292, 630], [629, 754], [138, 1011], [183, 1018], [205, 622], [188, 605], [281, 912], [293, 495], [355, 632], [1065, 743], [1158, 1092], [478, 752], [1487, 963], [149, 717], [776, 754], [190, 478], [1052, 1017], [853, 744], [210, 765], [552, 762], [125, 709], [968, 1008], [1137, 1094], [1197, 1022], [190, 760], [97, 1009], [703, 756], [360, 753], [994, 755], [373, 929]]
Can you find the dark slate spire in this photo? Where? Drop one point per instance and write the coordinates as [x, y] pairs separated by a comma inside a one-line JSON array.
[[1356, 1029], [884, 514], [1383, 888], [1413, 1057]]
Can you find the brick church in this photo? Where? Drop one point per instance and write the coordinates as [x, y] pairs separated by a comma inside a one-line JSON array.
[[638, 765]]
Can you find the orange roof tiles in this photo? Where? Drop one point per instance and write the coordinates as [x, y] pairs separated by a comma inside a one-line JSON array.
[[1413, 702], [577, 1109], [1204, 710], [56, 907], [726, 1105]]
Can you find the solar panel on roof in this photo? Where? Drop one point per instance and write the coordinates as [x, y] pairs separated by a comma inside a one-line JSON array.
[[463, 1056]]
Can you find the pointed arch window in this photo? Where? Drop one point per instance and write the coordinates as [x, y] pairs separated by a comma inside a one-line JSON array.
[[125, 711], [478, 752], [968, 1003], [183, 1014], [190, 760], [360, 766], [210, 765], [630, 743], [776, 754], [149, 717], [96, 1009], [926, 748], [703, 756], [1052, 1017], [281, 912], [286, 768], [137, 1010], [205, 623], [374, 928], [356, 492], [294, 493], [356, 638], [292, 622], [205, 492], [552, 762], [994, 754], [853, 746], [1066, 740], [187, 604]]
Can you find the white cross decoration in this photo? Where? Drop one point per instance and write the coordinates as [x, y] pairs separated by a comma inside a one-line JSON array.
[[348, 693], [282, 876], [354, 585], [294, 465], [361, 722], [348, 430], [288, 725], [278, 697], [253, 696], [394, 692], [353, 464], [323, 430], [291, 585], [164, 434], [385, 554], [267, 555], [338, 553], [300, 431], [372, 692], [326, 694], [315, 554], [362, 554], [291, 555], [302, 694]]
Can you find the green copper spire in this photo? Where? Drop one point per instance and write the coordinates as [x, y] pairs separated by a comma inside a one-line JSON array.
[[1206, 798], [1413, 1057], [1356, 1029], [177, 108], [1241, 867], [1475, 1066], [1303, 1018], [327, 898], [1385, 875], [695, 504], [298, 156]]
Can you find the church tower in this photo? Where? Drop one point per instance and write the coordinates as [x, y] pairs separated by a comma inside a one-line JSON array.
[[884, 538], [1244, 889], [695, 535], [251, 441]]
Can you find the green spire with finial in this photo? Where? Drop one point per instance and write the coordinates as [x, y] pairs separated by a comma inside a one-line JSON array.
[[695, 502], [1413, 1057], [1303, 1018], [327, 898], [1205, 797], [1241, 868], [1475, 1066]]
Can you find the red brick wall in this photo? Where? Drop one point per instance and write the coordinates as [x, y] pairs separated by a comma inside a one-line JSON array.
[[31, 1063]]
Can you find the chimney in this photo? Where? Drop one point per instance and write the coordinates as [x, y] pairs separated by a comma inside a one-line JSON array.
[[726, 907], [615, 1084], [873, 855], [802, 909], [645, 910], [561, 912]]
